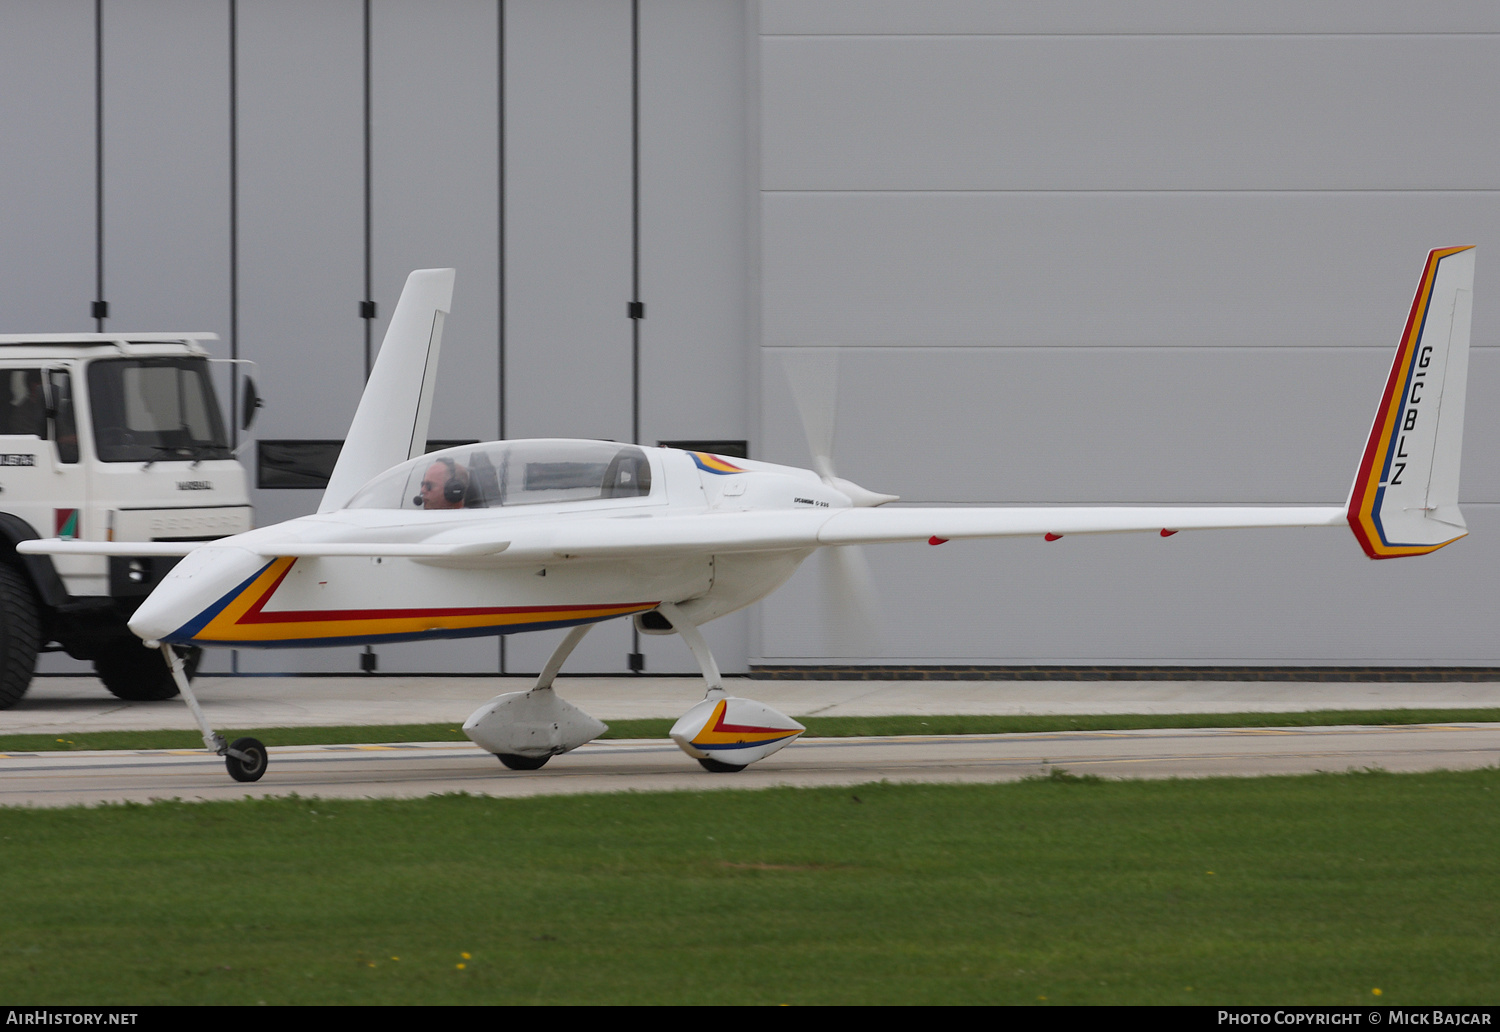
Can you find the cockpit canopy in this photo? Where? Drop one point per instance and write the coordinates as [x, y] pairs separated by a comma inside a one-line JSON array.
[[486, 476]]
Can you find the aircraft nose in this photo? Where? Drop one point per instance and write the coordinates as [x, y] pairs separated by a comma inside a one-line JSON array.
[[195, 590]]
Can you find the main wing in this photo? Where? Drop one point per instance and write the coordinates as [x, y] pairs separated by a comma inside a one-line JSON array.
[[270, 549], [870, 526], [522, 542], [639, 536]]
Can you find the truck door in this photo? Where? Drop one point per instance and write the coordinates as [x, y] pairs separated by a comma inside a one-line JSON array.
[[41, 478]]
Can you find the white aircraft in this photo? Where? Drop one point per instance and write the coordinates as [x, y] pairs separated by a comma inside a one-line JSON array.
[[530, 534]]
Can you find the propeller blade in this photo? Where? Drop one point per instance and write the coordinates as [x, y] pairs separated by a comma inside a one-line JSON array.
[[813, 374], [850, 600]]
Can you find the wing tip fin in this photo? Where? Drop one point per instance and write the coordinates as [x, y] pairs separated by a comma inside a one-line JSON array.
[[1409, 468]]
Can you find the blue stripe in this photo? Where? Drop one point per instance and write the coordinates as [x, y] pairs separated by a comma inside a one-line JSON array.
[[746, 745], [376, 639], [184, 634], [710, 469], [1390, 452]]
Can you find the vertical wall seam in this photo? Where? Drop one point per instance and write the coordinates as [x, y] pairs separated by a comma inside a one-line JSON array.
[[635, 221], [234, 224], [98, 308], [635, 661], [754, 339], [500, 205], [234, 248], [367, 309], [368, 661], [500, 231]]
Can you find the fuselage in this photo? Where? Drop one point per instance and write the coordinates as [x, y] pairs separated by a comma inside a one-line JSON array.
[[241, 592]]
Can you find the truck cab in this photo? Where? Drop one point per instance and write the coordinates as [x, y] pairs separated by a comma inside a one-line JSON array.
[[104, 437]]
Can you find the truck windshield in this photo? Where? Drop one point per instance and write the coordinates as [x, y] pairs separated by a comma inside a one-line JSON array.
[[155, 409]]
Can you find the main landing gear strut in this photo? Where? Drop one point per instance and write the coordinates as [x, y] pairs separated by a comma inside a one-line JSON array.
[[723, 733], [526, 729], [244, 757]]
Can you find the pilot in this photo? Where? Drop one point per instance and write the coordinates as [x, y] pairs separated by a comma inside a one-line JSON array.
[[444, 485]]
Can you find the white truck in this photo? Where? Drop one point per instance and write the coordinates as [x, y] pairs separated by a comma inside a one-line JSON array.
[[104, 437]]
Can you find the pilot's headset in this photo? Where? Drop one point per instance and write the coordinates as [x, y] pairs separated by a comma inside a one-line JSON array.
[[454, 488]]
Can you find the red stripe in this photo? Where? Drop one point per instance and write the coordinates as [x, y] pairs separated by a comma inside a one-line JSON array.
[[1362, 487], [745, 728], [251, 615], [314, 615], [255, 615]]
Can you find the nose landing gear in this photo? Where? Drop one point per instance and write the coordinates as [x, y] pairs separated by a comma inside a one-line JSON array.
[[245, 758]]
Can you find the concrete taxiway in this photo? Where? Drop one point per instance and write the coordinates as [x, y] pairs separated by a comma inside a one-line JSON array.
[[63, 705], [75, 704], [419, 769]]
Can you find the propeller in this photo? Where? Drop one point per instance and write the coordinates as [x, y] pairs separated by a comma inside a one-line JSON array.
[[850, 598], [813, 374]]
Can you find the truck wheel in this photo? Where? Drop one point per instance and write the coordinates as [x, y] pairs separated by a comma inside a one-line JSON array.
[[137, 674], [20, 636]]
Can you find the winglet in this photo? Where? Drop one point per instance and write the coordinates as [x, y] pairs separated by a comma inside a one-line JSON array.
[[390, 425], [1405, 497]]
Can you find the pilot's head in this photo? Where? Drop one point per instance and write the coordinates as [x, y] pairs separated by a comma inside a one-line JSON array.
[[444, 485]]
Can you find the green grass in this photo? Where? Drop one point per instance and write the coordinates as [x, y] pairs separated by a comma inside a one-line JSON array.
[[1314, 890], [818, 727]]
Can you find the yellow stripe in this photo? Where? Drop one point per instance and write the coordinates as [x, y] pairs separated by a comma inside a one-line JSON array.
[[707, 736], [230, 615], [382, 626], [1393, 414]]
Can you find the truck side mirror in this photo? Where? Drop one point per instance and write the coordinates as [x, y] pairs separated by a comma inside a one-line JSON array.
[[250, 401]]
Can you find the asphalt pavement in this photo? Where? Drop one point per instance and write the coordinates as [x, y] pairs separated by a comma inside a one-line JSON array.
[[412, 769], [64, 704]]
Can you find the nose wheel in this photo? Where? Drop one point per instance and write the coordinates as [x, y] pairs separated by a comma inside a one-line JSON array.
[[246, 759]]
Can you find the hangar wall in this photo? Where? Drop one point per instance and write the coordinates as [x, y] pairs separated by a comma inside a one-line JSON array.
[[267, 165], [1139, 252], [1066, 252]]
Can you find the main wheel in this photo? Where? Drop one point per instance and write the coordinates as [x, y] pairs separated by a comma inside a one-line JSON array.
[[137, 674], [20, 636], [252, 766], [720, 767], [515, 762]]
